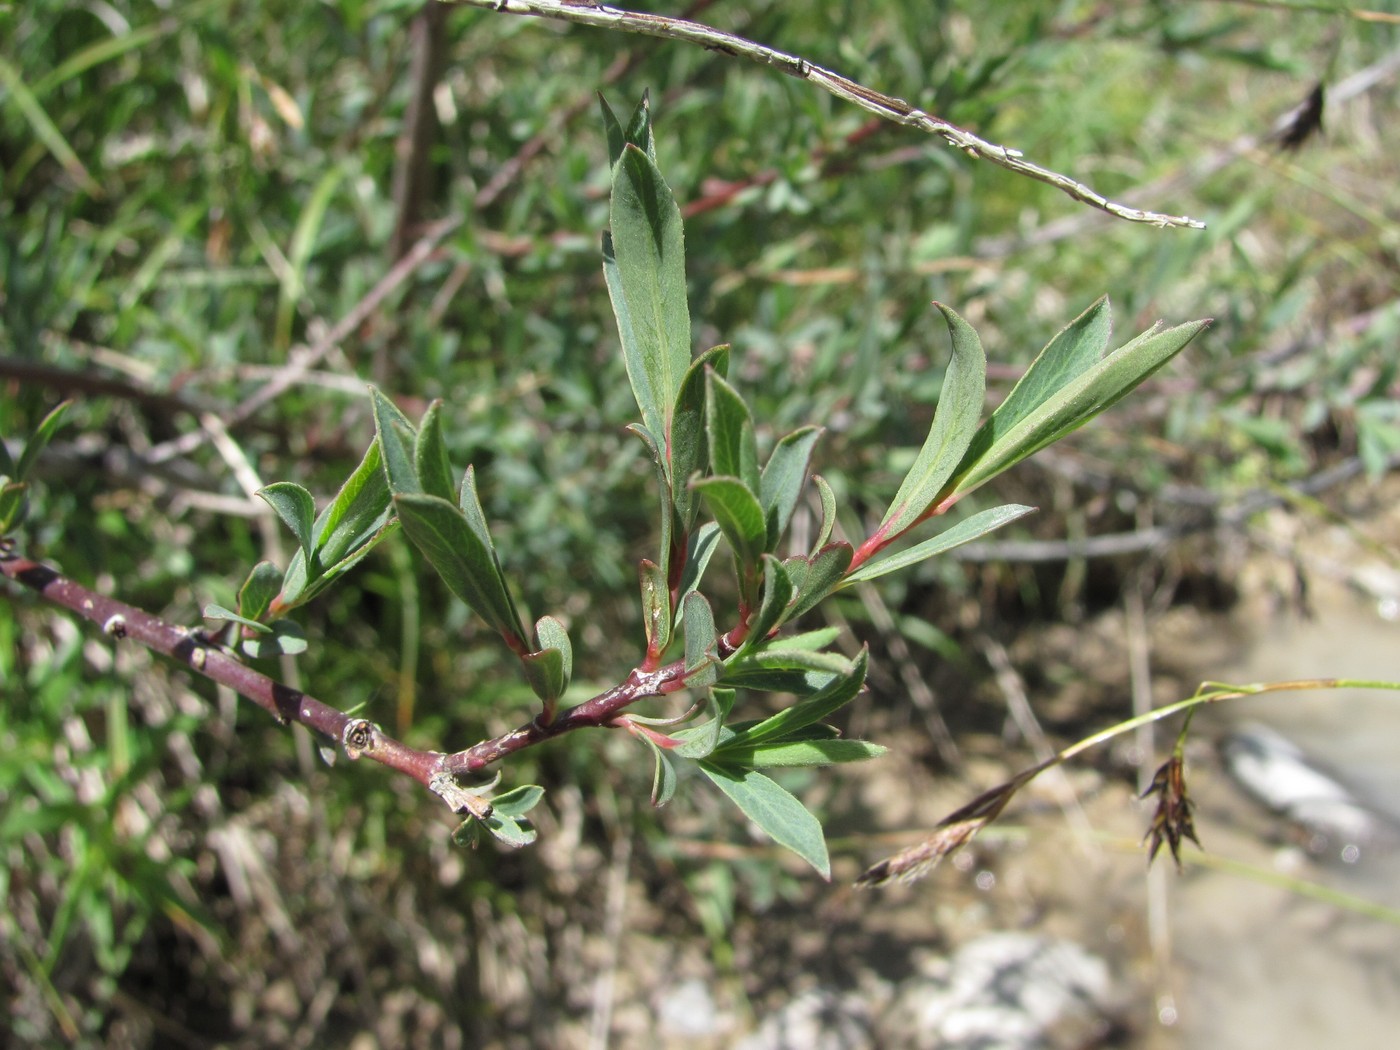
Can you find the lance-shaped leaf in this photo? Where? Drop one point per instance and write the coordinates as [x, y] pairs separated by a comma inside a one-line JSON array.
[[833, 696], [699, 550], [430, 460], [644, 267], [517, 801], [286, 638], [663, 777], [513, 831], [828, 499], [396, 442], [776, 812], [965, 531], [295, 506], [773, 609], [638, 131], [775, 668], [824, 571], [687, 446], [701, 642], [737, 512], [783, 478], [38, 441], [729, 432], [787, 753], [462, 558], [656, 608], [954, 423], [1074, 404], [360, 509]]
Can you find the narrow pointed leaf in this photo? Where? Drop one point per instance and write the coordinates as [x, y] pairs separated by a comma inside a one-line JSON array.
[[430, 456], [38, 441], [783, 478], [776, 812], [837, 694], [644, 268], [295, 506], [699, 550], [954, 423], [687, 445], [729, 433], [359, 511], [467, 565], [825, 570], [1079, 401], [656, 607], [612, 127], [773, 609], [788, 753], [965, 531], [396, 441], [701, 642], [737, 512], [828, 499]]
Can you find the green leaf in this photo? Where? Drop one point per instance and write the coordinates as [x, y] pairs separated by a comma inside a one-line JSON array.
[[358, 513], [11, 504], [396, 441], [544, 670], [835, 695], [38, 441], [656, 607], [663, 776], [801, 753], [213, 611], [430, 460], [775, 668], [824, 572], [965, 531], [286, 639], [954, 423], [737, 512], [644, 268], [699, 741], [775, 810], [1073, 405], [701, 642], [509, 830], [699, 551], [729, 433], [687, 447], [772, 610], [783, 478], [258, 590], [297, 509], [467, 565], [517, 801], [828, 499], [552, 635], [638, 131], [1072, 352]]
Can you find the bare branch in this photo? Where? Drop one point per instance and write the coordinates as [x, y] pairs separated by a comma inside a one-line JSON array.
[[585, 12]]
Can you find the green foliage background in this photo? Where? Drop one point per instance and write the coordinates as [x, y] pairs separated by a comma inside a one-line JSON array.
[[191, 191]]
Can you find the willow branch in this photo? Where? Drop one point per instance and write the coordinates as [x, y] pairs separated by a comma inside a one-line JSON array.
[[357, 737], [600, 16]]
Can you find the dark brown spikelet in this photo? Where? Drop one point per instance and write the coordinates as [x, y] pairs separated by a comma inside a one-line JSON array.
[[1305, 122], [1172, 821]]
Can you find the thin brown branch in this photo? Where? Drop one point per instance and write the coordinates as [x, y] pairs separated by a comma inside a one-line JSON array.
[[600, 16]]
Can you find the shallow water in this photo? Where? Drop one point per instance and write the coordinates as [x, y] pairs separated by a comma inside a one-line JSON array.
[[1259, 966]]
